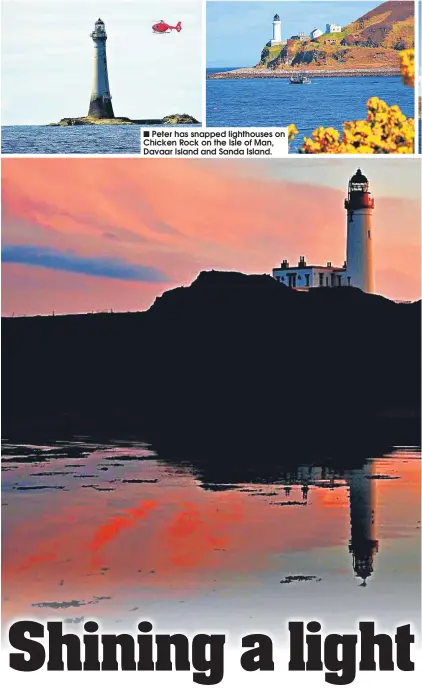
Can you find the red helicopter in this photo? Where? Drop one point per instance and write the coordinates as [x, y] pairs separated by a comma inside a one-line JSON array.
[[163, 28]]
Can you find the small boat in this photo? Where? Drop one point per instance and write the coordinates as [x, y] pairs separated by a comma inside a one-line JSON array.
[[299, 79]]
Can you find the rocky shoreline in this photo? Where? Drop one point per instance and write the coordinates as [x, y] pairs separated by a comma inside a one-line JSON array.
[[265, 73], [175, 119]]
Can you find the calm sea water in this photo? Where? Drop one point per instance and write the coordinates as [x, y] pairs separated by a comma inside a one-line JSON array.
[[275, 102], [78, 139], [117, 532]]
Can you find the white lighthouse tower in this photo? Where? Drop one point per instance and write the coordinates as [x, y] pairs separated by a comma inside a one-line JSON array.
[[276, 40], [100, 105], [359, 206]]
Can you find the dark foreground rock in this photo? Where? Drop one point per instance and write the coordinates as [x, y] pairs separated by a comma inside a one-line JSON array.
[[232, 357]]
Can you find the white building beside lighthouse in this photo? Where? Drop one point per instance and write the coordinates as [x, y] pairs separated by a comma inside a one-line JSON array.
[[100, 103], [358, 270], [315, 33], [276, 39], [332, 29]]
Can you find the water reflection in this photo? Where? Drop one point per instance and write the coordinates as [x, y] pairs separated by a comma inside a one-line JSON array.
[[363, 544], [114, 527]]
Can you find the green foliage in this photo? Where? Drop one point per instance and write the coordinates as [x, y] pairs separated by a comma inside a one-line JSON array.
[[270, 53], [334, 37]]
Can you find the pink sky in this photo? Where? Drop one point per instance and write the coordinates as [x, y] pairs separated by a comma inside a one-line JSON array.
[[170, 219]]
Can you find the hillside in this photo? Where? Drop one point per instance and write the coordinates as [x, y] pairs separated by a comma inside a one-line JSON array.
[[391, 25], [371, 41], [231, 353]]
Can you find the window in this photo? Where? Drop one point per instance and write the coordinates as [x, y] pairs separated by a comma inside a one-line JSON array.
[[321, 279], [333, 279], [326, 281], [307, 279], [348, 281], [339, 279]]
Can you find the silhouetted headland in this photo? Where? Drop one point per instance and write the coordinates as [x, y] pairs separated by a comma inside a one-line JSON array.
[[231, 357]]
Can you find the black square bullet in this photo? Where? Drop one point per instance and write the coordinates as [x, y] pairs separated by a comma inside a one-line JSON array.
[[146, 133]]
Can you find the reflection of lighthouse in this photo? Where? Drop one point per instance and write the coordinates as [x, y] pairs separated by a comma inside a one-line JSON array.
[[362, 544], [359, 205], [100, 104], [276, 31]]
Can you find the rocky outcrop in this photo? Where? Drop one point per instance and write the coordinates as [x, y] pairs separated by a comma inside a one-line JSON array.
[[176, 119], [180, 119], [89, 120], [316, 57]]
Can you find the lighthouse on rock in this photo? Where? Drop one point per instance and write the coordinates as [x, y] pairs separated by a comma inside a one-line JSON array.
[[100, 104], [359, 205]]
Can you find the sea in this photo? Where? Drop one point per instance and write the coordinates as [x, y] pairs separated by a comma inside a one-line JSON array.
[[120, 531], [260, 102], [77, 139]]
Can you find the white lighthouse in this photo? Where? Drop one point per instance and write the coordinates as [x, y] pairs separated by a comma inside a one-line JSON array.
[[359, 205], [358, 270], [276, 40], [100, 104]]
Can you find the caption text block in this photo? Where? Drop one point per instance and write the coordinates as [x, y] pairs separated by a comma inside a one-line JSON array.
[[199, 143]]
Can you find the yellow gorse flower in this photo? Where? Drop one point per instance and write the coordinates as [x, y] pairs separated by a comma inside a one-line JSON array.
[[385, 131], [407, 66], [292, 132]]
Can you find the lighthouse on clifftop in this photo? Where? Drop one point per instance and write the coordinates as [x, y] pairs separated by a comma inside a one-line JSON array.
[[358, 270], [359, 205], [100, 105]]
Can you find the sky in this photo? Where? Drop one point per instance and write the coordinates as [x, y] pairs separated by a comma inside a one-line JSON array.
[[47, 58], [251, 22], [94, 234]]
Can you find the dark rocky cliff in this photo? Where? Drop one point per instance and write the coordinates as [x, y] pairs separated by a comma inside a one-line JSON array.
[[230, 355]]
